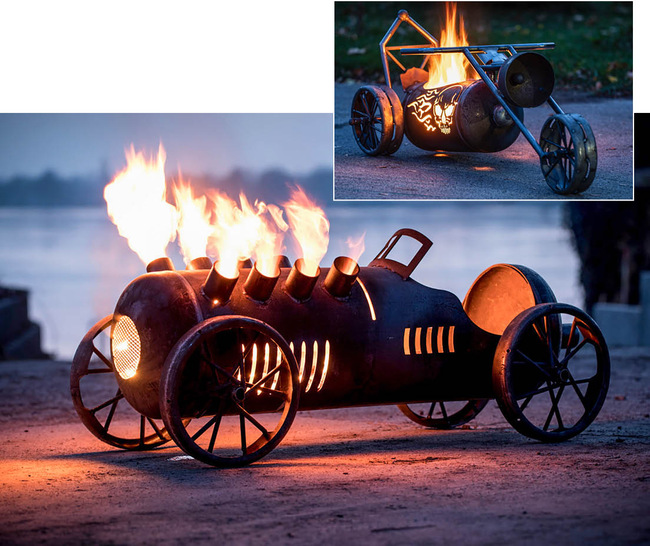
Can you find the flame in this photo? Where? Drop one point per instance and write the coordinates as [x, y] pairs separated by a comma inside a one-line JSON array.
[[137, 205], [242, 231], [447, 68], [194, 226], [356, 247], [310, 227]]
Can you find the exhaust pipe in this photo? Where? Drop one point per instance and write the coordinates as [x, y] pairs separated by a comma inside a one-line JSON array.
[[199, 264], [299, 285], [160, 264], [259, 286], [218, 287], [341, 276]]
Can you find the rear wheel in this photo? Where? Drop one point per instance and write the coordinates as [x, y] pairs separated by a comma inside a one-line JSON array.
[[373, 121], [443, 415], [551, 372], [99, 401]]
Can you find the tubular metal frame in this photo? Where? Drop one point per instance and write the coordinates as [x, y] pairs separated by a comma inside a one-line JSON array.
[[473, 55]]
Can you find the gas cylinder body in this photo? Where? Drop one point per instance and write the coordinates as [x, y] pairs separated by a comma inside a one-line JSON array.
[[461, 117], [392, 340]]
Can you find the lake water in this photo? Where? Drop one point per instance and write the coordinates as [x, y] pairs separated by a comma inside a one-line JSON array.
[[76, 265]]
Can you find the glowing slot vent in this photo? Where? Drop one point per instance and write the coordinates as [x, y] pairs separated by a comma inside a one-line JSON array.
[[370, 305], [125, 344], [314, 362], [326, 363]]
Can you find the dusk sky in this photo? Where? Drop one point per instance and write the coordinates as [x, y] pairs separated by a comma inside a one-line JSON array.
[[78, 144]]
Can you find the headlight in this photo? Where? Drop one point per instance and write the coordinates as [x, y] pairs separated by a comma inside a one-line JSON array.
[[125, 345]]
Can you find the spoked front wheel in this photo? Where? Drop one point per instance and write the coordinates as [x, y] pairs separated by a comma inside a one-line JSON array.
[[551, 372], [237, 379], [99, 401], [443, 415], [564, 161]]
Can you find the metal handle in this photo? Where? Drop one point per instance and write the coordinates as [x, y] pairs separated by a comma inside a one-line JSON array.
[[402, 270]]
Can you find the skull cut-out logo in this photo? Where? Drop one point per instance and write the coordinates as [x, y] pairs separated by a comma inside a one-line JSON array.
[[435, 108]]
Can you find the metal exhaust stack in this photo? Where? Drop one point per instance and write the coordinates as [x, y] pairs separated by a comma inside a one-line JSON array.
[[341, 276], [199, 264], [160, 264], [218, 287], [299, 285], [259, 286]]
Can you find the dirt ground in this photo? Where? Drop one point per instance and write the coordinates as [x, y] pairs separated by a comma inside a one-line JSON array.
[[364, 476]]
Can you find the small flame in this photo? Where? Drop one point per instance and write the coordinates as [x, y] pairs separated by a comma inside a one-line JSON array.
[[242, 231], [356, 247], [194, 227], [310, 227], [447, 68], [137, 205]]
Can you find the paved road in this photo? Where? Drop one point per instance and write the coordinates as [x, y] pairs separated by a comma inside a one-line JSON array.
[[412, 173], [359, 476]]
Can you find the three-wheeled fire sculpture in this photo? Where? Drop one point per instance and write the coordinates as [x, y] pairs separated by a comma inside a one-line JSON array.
[[472, 99], [226, 357]]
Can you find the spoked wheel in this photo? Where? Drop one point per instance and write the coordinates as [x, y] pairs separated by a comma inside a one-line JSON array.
[[591, 152], [101, 406], [237, 379], [564, 163], [551, 372], [443, 415], [377, 120]]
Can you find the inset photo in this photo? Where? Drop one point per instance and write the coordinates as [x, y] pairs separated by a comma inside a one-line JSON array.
[[483, 100]]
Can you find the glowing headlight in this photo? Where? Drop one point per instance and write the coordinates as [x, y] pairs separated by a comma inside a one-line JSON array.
[[126, 347]]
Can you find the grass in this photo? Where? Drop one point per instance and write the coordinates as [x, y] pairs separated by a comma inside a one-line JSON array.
[[593, 40]]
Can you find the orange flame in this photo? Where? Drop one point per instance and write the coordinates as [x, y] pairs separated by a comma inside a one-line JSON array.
[[194, 227], [310, 227], [448, 68], [356, 248], [245, 231], [137, 205]]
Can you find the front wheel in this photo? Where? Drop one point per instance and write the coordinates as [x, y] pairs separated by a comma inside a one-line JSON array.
[[551, 372], [565, 164], [237, 379]]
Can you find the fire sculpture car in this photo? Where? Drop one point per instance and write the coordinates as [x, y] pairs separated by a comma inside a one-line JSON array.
[[227, 363], [481, 115]]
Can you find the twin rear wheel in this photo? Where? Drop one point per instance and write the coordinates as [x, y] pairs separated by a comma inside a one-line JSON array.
[[377, 120]]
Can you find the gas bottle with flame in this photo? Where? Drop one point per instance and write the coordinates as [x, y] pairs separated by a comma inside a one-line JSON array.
[[462, 116]]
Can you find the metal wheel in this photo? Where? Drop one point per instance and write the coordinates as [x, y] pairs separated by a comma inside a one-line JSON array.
[[398, 120], [101, 407], [590, 151], [551, 372], [372, 120], [564, 163], [237, 379], [446, 416]]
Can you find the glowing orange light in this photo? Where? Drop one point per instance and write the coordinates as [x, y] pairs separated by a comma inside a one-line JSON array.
[[310, 227], [449, 68], [136, 203], [194, 227]]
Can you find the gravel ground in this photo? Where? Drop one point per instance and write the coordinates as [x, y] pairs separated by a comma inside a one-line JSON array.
[[413, 173], [365, 475]]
